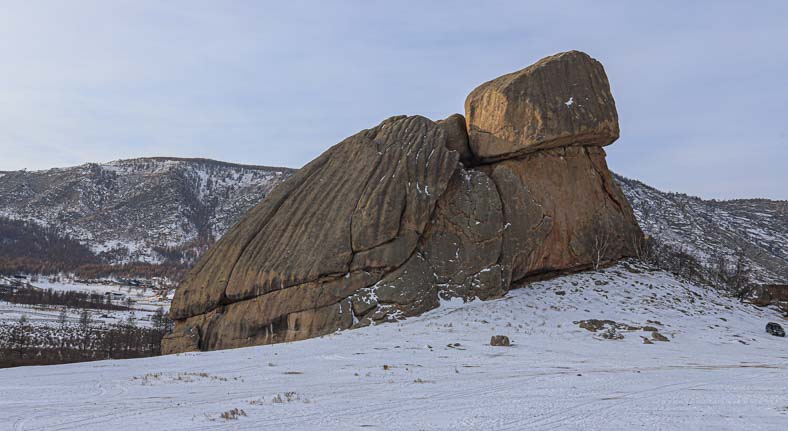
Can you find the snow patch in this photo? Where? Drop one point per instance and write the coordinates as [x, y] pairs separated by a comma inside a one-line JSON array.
[[719, 361]]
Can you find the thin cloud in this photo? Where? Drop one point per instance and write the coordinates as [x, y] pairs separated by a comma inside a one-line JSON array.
[[699, 86]]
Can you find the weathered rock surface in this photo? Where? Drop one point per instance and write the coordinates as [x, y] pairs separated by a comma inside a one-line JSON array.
[[563, 211], [361, 205], [560, 100], [457, 256], [339, 224], [500, 340], [463, 243], [389, 221], [457, 137]]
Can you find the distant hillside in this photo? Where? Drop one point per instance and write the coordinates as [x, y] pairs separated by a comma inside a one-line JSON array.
[[168, 210], [25, 245], [141, 210], [713, 231]]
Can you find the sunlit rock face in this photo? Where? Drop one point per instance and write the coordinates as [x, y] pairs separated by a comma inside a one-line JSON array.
[[559, 101]]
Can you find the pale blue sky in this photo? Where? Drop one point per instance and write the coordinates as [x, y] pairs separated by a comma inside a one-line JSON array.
[[701, 87]]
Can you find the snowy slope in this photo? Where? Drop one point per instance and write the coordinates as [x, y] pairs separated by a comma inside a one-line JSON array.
[[710, 229], [719, 371]]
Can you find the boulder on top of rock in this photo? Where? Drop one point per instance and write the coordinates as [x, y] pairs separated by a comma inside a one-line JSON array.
[[561, 100]]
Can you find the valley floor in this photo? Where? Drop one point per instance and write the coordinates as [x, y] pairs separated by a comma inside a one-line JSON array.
[[145, 301], [718, 371]]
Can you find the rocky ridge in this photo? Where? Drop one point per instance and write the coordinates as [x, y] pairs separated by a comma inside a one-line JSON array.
[[714, 230], [390, 220], [705, 229], [147, 209]]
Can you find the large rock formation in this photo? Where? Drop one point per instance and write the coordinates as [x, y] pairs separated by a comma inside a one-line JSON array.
[[387, 222]]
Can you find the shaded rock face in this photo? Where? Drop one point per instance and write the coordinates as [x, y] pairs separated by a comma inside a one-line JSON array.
[[395, 218], [457, 137], [563, 212], [500, 340]]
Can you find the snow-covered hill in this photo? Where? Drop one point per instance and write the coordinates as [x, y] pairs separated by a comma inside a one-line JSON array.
[[134, 210], [711, 229], [139, 209], [719, 370]]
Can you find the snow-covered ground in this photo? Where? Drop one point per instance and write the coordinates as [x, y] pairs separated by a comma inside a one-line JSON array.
[[145, 302], [719, 371]]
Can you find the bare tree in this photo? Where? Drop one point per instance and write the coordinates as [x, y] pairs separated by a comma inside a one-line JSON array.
[[740, 279], [644, 248], [595, 239], [86, 332], [62, 318], [22, 334], [158, 320], [721, 270], [601, 243]]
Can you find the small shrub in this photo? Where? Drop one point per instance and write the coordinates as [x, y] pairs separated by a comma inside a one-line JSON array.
[[287, 397], [612, 334], [233, 414]]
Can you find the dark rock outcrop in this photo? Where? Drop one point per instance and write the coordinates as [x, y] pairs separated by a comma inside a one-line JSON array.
[[500, 340], [457, 137], [775, 295], [389, 221], [774, 328]]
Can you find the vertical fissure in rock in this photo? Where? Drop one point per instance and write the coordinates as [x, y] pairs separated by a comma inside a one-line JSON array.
[[372, 175], [603, 180]]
